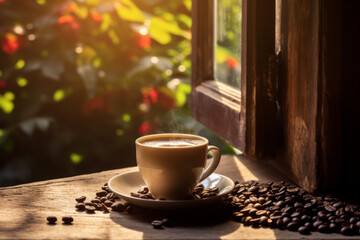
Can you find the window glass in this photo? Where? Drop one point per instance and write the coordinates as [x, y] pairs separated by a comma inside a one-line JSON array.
[[228, 41]]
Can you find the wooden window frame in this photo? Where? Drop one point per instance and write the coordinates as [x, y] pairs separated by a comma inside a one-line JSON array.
[[296, 105], [245, 117]]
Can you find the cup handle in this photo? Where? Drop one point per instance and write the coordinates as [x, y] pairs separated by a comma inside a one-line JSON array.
[[214, 162]]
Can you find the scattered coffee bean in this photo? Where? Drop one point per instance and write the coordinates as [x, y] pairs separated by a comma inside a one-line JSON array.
[[51, 219], [304, 230], [117, 207], [167, 222], [90, 209], [67, 220], [346, 231], [80, 206], [95, 200], [129, 209], [80, 199], [108, 203], [157, 224], [101, 193]]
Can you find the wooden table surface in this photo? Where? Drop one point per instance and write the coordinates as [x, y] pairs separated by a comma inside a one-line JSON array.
[[24, 209]]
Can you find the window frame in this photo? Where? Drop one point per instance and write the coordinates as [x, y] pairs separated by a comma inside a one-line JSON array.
[[238, 116]]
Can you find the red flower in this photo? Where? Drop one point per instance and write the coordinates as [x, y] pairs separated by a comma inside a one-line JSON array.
[[143, 41], [2, 82], [10, 44], [150, 96], [97, 103], [145, 128], [231, 62], [70, 20], [97, 17]]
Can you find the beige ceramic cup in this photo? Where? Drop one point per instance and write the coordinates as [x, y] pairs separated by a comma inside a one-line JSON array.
[[171, 173]]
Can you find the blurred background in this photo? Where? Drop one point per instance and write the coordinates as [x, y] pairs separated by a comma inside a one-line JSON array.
[[81, 80]]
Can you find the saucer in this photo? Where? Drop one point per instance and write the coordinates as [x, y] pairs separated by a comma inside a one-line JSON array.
[[125, 183]]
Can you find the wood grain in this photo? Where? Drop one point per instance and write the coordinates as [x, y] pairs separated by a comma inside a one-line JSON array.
[[25, 208]]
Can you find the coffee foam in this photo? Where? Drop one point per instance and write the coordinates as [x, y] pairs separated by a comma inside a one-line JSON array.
[[173, 142]]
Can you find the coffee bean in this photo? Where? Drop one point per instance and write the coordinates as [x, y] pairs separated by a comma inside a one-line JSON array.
[[157, 224], [118, 207], [167, 222], [295, 214], [286, 220], [80, 199], [263, 221], [95, 200], [101, 193], [247, 220], [293, 226], [103, 199], [353, 220], [316, 224], [304, 230], [67, 220], [255, 222], [330, 208], [51, 219], [280, 204], [90, 209], [258, 206], [298, 205], [334, 227], [108, 203], [129, 209], [88, 204], [346, 231], [260, 213], [80, 206], [308, 225], [323, 228], [253, 189]]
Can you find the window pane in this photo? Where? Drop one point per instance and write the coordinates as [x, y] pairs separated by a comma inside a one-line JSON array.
[[228, 41]]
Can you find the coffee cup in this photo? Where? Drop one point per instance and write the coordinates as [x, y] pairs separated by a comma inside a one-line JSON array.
[[172, 164]]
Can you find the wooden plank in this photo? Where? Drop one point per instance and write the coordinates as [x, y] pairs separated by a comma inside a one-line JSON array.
[[298, 92], [25, 208]]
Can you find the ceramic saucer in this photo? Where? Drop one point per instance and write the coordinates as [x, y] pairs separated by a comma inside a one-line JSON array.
[[125, 183]]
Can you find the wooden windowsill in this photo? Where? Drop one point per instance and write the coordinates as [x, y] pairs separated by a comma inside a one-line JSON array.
[[25, 208]]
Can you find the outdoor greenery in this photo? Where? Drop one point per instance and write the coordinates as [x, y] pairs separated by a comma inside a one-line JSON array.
[[81, 80]]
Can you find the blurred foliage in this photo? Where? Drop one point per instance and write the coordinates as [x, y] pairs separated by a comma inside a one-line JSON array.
[[228, 41], [81, 80]]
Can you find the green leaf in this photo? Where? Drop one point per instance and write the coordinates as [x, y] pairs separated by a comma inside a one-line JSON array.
[[6, 105], [20, 64], [181, 93], [76, 158], [127, 10], [59, 95], [187, 4], [160, 30], [21, 82], [119, 132], [41, 2], [106, 22], [113, 36], [126, 117], [185, 19]]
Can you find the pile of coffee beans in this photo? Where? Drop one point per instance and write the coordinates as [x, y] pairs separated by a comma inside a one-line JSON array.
[[104, 201], [285, 206], [199, 192]]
